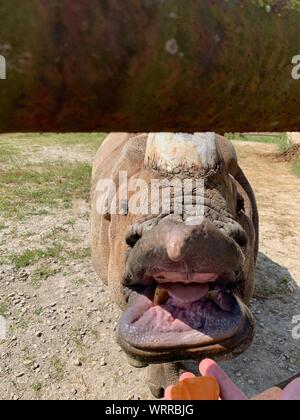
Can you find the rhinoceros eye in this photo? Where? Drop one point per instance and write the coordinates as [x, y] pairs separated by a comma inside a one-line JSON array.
[[132, 239], [240, 204]]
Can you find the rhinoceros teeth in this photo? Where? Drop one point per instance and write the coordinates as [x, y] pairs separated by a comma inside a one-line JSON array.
[[221, 298], [160, 296], [212, 294]]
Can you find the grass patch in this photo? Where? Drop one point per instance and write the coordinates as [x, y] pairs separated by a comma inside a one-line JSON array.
[[95, 334], [3, 309], [34, 189], [63, 235], [57, 367], [37, 387], [22, 324], [253, 138], [284, 143], [57, 232], [42, 274], [80, 254], [31, 256], [71, 222], [38, 188], [78, 342], [3, 260], [10, 144], [28, 358], [87, 141], [8, 152], [38, 311], [296, 167], [281, 139], [80, 347]]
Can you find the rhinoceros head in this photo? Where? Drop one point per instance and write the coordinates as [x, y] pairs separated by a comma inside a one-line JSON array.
[[182, 269]]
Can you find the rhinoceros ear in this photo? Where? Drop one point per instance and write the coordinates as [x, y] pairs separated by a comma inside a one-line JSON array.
[[228, 153], [182, 153]]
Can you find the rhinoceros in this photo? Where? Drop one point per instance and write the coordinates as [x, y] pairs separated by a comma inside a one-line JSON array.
[[182, 279]]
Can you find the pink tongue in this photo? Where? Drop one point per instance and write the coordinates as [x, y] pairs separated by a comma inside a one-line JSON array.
[[186, 293]]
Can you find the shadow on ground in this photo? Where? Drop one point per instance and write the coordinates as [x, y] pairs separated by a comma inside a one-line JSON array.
[[273, 280], [274, 355]]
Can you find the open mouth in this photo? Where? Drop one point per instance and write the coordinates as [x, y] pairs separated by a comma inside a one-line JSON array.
[[184, 311], [186, 295]]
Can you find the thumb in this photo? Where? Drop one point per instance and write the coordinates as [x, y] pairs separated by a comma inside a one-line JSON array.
[[229, 391]]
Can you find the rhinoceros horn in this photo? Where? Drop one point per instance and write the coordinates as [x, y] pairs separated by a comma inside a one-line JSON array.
[[187, 154], [174, 152]]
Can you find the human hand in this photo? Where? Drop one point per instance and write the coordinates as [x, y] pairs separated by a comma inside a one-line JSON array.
[[228, 390]]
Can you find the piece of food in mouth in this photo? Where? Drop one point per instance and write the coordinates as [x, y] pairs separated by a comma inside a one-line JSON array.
[[204, 388]]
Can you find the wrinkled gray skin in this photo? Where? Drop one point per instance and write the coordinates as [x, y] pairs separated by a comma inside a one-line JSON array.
[[129, 250]]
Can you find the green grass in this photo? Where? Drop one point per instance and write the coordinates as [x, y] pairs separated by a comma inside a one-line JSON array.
[[79, 254], [71, 222], [281, 139], [284, 146], [28, 189], [16, 147], [296, 167], [37, 387], [42, 274], [28, 357], [284, 143], [3, 309], [57, 232], [31, 256], [79, 344], [22, 324], [36, 189], [10, 144], [8, 152], [255, 138], [38, 311], [57, 367]]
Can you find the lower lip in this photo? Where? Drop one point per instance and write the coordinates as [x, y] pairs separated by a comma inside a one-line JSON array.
[[171, 327]]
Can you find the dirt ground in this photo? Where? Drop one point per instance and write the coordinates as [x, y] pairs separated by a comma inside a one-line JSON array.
[[61, 324]]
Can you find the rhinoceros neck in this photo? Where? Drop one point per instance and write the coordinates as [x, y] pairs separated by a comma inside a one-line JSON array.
[[173, 152]]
